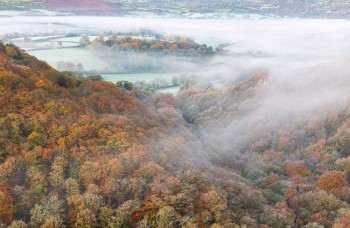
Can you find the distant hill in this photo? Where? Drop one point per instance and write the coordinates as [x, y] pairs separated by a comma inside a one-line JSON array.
[[81, 5], [185, 8]]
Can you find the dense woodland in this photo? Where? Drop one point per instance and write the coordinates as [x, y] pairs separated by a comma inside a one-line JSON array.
[[81, 152]]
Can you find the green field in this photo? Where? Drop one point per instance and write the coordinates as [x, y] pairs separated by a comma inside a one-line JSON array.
[[74, 55]]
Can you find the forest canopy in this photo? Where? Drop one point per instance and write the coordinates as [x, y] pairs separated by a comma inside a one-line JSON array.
[[82, 152]]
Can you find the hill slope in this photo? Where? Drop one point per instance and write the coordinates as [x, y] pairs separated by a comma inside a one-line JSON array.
[[81, 152]]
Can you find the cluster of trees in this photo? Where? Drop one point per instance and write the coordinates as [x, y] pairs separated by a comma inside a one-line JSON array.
[[81, 152], [69, 66], [162, 83], [178, 46]]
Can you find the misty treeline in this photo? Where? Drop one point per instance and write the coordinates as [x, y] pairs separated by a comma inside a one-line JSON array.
[[182, 81], [77, 152], [69, 66], [128, 54]]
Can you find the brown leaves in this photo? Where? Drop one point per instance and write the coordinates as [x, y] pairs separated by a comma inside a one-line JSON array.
[[334, 182], [297, 168]]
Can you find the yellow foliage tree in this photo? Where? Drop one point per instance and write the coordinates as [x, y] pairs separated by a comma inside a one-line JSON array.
[[119, 141], [40, 84]]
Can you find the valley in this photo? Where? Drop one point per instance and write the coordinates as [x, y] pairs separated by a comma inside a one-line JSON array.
[[150, 122]]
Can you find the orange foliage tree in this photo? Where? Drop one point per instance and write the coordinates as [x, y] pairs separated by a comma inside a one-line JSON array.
[[297, 168], [333, 182]]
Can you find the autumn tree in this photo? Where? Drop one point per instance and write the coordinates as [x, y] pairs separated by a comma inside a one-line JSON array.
[[278, 217], [72, 187], [57, 174], [343, 164], [85, 218], [2, 47], [125, 85], [119, 142], [343, 218], [18, 224], [7, 208], [214, 203], [36, 182], [333, 182], [49, 212], [12, 51], [167, 217], [297, 168], [84, 41]]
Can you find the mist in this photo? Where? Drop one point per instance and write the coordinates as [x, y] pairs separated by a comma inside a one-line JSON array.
[[258, 132], [305, 59], [280, 43]]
